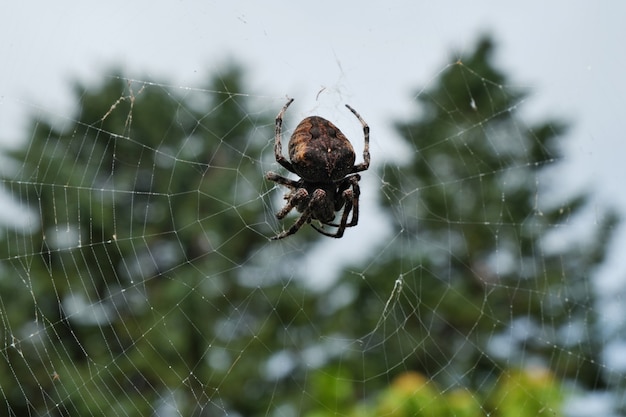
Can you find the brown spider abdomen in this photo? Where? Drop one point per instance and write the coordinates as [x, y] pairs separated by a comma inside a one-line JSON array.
[[319, 152]]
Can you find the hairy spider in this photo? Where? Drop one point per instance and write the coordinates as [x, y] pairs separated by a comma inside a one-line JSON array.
[[323, 158]]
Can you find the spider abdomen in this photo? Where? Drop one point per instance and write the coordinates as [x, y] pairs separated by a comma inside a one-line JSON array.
[[319, 152]]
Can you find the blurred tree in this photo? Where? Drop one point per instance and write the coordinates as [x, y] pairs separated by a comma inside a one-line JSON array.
[[474, 283], [125, 294]]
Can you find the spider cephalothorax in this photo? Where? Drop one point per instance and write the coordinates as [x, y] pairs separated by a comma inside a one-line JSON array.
[[323, 158]]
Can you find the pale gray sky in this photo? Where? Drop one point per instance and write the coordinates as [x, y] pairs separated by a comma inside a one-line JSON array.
[[570, 55]]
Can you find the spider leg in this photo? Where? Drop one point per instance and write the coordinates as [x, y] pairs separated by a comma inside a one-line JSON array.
[[272, 176], [300, 194], [310, 206], [350, 201], [295, 196], [340, 227], [350, 196], [278, 147], [366, 149], [304, 218], [354, 204], [293, 199]]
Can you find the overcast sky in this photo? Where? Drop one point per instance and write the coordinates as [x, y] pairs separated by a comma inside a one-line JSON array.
[[570, 54]]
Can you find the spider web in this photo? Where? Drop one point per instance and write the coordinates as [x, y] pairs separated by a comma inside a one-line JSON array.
[[138, 278]]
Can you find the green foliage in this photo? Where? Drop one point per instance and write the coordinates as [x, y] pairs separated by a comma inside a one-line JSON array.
[[516, 394], [533, 392], [471, 283], [126, 286]]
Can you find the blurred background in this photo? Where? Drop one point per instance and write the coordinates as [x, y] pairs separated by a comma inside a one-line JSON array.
[[485, 275]]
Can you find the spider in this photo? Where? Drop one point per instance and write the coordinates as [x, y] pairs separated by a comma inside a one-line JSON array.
[[323, 158]]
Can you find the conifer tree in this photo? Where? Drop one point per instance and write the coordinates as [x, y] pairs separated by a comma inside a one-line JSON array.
[[119, 296], [473, 285]]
